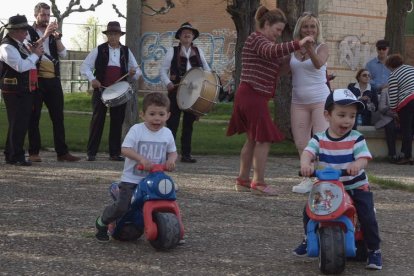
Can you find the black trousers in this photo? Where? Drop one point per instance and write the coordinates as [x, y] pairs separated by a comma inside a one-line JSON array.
[[406, 115], [174, 121], [117, 115], [18, 106], [51, 93], [364, 205], [391, 137], [117, 209]]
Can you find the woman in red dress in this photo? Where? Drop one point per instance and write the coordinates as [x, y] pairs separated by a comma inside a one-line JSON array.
[[261, 59]]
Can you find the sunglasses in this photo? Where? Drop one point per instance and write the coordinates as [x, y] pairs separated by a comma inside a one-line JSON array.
[[381, 48], [366, 75]]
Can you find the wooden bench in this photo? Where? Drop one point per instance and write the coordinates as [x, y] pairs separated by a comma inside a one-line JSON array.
[[376, 141]]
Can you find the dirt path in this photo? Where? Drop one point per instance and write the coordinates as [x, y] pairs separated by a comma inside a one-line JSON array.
[[47, 213]]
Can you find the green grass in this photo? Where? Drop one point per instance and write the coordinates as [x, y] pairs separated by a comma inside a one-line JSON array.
[[209, 136], [390, 184]]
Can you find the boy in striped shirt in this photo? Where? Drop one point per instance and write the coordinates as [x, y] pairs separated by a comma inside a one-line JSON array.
[[341, 147]]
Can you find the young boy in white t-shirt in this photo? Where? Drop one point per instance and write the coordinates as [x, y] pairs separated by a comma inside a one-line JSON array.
[[146, 143]]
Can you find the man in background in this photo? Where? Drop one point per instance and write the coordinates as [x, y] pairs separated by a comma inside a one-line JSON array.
[[50, 88]]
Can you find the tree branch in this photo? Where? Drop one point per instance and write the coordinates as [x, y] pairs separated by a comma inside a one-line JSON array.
[[163, 10], [118, 12], [71, 8]]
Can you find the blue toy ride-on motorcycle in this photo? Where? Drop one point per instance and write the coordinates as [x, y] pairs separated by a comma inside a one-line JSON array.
[[153, 211], [333, 232]]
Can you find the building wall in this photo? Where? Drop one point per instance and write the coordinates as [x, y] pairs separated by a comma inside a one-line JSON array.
[[351, 29], [217, 37]]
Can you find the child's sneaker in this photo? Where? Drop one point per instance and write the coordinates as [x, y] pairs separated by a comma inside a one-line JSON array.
[[301, 250], [374, 260], [303, 187], [102, 233]]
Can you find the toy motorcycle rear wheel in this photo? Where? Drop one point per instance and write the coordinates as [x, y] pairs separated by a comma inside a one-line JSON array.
[[168, 228], [332, 250]]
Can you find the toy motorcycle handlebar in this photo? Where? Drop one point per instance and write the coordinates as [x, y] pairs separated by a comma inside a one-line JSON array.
[[342, 172], [154, 167]]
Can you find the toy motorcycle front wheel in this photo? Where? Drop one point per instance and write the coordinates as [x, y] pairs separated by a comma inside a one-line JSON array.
[[168, 228], [332, 250]]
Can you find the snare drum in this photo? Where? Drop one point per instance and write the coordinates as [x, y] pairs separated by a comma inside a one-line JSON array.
[[117, 94], [198, 91]]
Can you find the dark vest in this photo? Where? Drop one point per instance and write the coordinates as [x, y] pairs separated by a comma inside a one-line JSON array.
[[11, 80], [101, 62], [34, 36], [179, 63]]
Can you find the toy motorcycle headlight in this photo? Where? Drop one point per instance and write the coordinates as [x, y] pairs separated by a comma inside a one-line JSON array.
[[325, 198], [165, 187]]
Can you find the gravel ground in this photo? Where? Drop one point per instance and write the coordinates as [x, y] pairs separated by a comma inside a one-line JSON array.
[[47, 215]]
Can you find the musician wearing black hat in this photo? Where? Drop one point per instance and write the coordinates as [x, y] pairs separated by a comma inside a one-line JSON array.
[[18, 82], [50, 88], [105, 65], [177, 61]]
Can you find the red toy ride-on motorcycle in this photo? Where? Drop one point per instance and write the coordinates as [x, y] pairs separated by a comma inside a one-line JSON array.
[[333, 232]]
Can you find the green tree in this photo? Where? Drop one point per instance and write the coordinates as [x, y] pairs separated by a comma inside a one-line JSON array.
[[87, 34]]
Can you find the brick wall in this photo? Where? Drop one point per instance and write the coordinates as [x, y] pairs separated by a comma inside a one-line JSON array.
[[217, 37], [351, 28]]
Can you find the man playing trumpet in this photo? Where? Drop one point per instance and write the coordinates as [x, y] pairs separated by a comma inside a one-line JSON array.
[[50, 88]]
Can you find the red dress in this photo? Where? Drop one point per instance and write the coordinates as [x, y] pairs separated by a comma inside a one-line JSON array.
[[251, 115]]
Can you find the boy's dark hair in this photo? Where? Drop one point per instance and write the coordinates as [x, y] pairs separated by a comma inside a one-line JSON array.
[[157, 99], [40, 6]]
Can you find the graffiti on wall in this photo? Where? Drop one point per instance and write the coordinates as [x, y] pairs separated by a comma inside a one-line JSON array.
[[218, 47], [353, 53]]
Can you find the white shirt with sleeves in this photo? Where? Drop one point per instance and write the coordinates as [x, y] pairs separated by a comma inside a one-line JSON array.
[[153, 145], [11, 56], [166, 64], [88, 65]]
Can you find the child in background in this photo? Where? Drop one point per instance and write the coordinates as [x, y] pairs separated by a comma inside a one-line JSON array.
[[341, 147], [146, 143]]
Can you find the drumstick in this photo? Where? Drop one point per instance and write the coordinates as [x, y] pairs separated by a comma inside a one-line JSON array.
[[122, 77]]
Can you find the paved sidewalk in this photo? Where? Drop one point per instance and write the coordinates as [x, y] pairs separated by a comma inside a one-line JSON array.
[[47, 215]]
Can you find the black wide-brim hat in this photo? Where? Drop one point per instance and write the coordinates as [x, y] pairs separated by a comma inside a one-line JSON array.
[[17, 22], [187, 26], [113, 27]]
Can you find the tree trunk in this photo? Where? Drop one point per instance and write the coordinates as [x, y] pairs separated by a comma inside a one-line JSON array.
[[242, 12], [132, 40], [395, 25], [282, 100]]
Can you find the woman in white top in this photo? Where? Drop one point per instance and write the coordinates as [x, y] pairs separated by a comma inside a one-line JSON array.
[[309, 92]]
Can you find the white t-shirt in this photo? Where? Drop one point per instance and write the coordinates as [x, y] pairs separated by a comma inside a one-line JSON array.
[[153, 145], [308, 83]]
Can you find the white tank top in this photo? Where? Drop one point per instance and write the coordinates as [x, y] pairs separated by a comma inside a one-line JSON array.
[[309, 83]]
